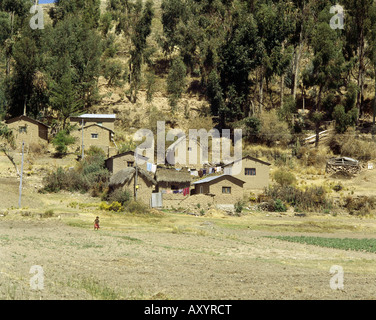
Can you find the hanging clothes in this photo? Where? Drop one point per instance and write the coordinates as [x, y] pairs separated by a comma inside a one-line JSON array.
[[153, 168], [186, 191], [149, 166]]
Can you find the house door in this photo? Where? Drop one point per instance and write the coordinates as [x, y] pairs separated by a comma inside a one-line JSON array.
[[156, 200]]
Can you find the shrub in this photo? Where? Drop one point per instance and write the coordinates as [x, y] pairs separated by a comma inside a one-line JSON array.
[[284, 178], [113, 206], [279, 206], [89, 174], [349, 146], [62, 140], [37, 148], [239, 206], [55, 181], [119, 195], [360, 205], [273, 130], [47, 214], [136, 207], [312, 198]]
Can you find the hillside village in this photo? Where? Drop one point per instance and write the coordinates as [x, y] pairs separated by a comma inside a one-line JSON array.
[[232, 142], [201, 184]]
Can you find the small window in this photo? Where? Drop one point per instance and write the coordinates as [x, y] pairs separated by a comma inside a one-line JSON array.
[[22, 129], [94, 135], [201, 189], [226, 190], [250, 171], [130, 163]]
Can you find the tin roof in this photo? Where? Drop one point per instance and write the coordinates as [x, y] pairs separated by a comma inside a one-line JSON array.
[[96, 116], [209, 179]]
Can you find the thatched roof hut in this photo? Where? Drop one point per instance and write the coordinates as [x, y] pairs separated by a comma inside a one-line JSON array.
[[172, 178], [125, 175]]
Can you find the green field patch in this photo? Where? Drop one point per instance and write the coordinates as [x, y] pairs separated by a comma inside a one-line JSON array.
[[365, 245]]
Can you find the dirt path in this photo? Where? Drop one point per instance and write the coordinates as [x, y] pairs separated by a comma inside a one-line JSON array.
[[80, 263]]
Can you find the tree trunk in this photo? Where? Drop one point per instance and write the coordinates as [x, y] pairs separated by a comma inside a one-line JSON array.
[[11, 159], [360, 96], [374, 100], [317, 126], [261, 90], [8, 55], [298, 55], [282, 88], [317, 129]]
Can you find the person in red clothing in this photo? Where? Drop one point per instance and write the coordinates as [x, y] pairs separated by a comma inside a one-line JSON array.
[[96, 223]]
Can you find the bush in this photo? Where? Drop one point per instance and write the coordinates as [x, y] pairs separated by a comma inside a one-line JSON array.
[[360, 205], [279, 206], [310, 199], [239, 206], [37, 148], [113, 206], [273, 130], [136, 207], [284, 178], [47, 214], [119, 195], [349, 146], [89, 174], [62, 140]]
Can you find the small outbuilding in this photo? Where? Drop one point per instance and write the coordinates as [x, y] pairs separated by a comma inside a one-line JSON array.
[[172, 180], [225, 189], [27, 130], [96, 135], [254, 172], [140, 185]]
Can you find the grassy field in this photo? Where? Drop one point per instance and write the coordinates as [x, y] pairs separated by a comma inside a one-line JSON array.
[[171, 255]]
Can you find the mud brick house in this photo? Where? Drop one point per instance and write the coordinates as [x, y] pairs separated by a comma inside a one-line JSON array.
[[105, 120], [140, 186], [170, 179], [254, 172], [185, 152], [28, 130], [173, 185], [96, 135], [224, 189], [124, 160]]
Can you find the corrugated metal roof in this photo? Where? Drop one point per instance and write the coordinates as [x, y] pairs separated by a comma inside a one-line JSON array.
[[97, 116], [208, 179]]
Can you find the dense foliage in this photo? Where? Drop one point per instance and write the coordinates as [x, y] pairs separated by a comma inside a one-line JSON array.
[[248, 56]]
